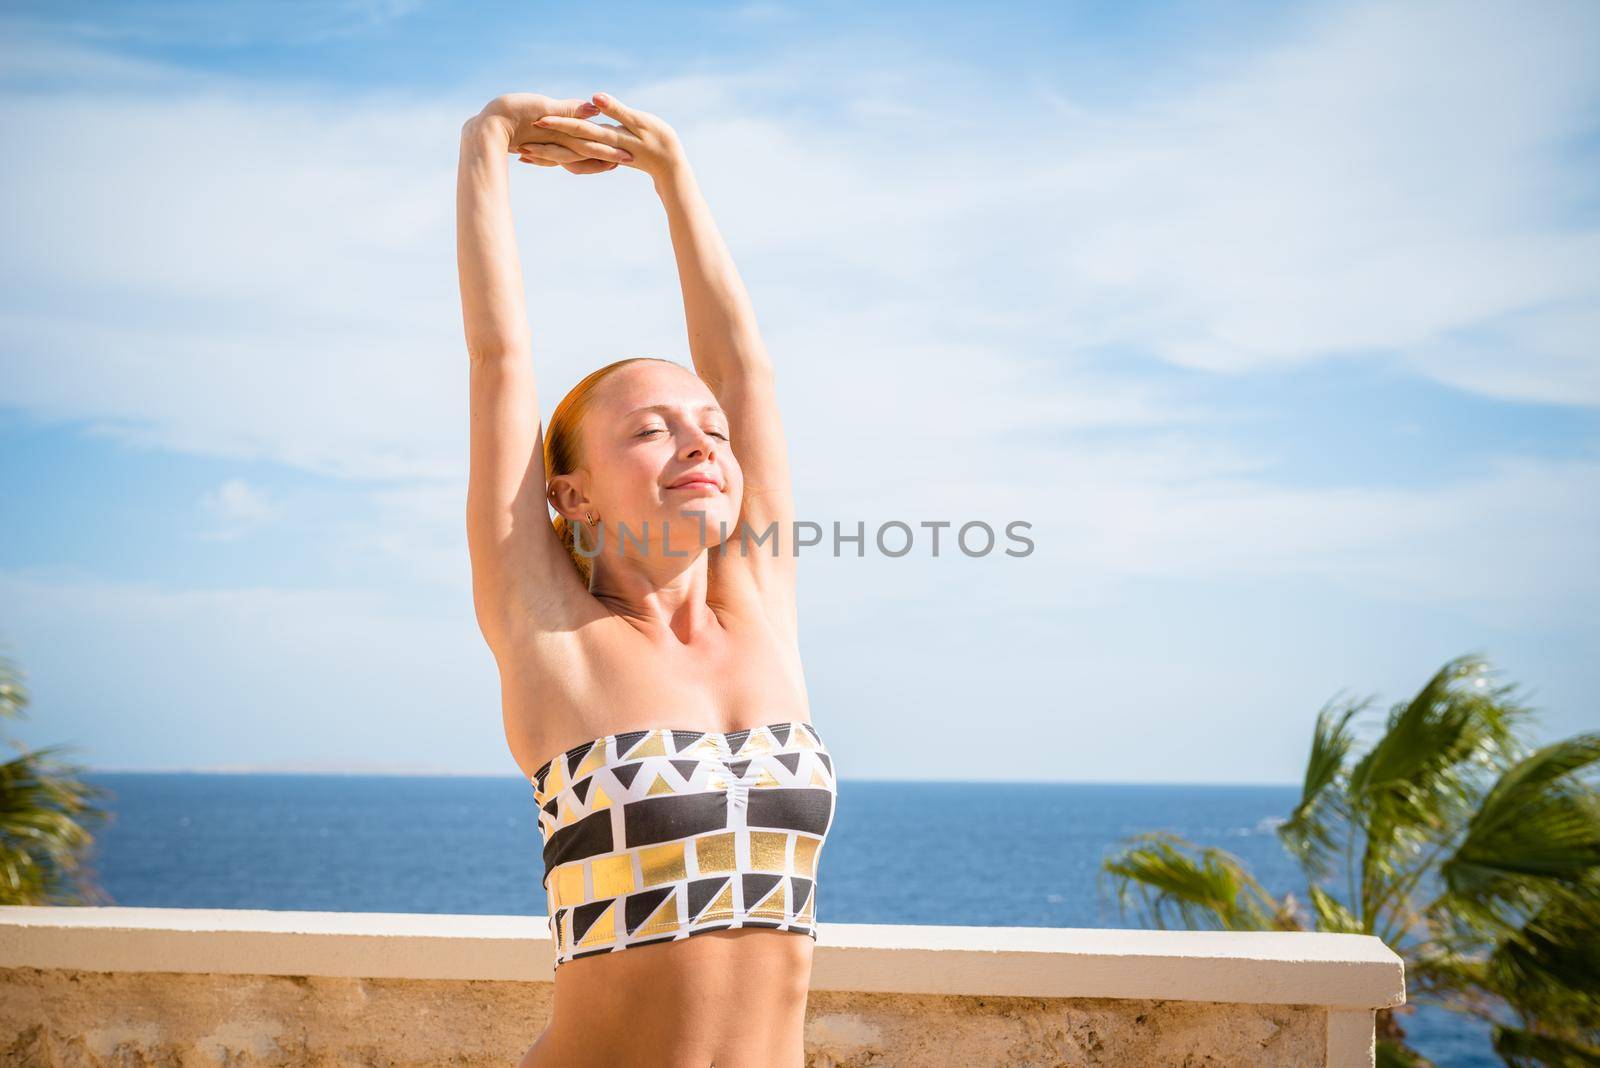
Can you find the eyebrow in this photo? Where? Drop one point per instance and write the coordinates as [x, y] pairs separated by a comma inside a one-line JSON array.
[[709, 407]]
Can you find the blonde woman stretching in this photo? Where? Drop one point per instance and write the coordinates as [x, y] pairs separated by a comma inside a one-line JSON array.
[[646, 638]]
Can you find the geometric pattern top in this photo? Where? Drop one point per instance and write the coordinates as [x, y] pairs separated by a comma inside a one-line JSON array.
[[656, 835]]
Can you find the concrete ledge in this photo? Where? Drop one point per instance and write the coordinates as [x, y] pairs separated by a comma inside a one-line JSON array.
[[1337, 971], [106, 987]]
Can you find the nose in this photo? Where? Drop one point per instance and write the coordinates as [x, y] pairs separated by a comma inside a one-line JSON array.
[[703, 444]]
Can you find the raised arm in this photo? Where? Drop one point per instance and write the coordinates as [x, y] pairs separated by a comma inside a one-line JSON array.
[[729, 354], [522, 577], [492, 305], [723, 340]]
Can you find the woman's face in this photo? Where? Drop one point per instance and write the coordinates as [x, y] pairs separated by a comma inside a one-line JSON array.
[[653, 425]]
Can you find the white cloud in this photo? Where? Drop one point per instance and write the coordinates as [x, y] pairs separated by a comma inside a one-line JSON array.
[[941, 269], [234, 508], [1390, 182]]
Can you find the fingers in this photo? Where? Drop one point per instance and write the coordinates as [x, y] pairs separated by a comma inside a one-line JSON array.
[[590, 166], [588, 138], [574, 107], [592, 131], [548, 153], [612, 107]]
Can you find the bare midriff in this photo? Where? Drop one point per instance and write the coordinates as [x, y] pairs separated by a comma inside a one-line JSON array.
[[732, 999]]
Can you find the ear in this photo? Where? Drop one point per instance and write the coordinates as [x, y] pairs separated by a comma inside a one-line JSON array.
[[567, 497]]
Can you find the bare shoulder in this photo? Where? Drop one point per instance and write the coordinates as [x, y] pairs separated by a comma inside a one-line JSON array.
[[551, 681]]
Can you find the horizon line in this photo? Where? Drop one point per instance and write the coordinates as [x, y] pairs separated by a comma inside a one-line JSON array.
[[425, 771]]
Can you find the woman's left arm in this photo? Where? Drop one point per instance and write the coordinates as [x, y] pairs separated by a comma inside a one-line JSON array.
[[723, 338], [729, 355]]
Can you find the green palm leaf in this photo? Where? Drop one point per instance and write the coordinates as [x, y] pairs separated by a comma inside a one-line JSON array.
[[1522, 1048], [1418, 784], [1331, 914], [45, 813], [1212, 889], [1307, 832], [1536, 832]]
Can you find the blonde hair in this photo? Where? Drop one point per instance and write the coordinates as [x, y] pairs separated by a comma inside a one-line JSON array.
[[563, 446]]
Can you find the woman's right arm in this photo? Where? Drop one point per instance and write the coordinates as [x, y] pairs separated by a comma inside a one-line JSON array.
[[522, 576]]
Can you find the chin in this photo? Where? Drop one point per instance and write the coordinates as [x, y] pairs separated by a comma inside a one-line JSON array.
[[718, 518]]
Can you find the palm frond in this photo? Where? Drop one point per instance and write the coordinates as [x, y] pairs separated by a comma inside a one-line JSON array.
[[1391, 1054], [13, 694], [1537, 832], [1308, 833], [1417, 786], [1209, 890], [1457, 979], [1550, 969], [1522, 1048], [1332, 915], [45, 815]]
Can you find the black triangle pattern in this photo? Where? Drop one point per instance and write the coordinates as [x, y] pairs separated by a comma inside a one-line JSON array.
[[655, 835]]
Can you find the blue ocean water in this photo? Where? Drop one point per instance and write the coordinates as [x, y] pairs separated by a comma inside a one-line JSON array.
[[1016, 854]]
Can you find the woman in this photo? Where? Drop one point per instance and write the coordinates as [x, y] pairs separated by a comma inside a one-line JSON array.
[[650, 672]]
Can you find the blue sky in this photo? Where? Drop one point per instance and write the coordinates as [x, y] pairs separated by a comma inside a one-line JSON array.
[[1276, 322]]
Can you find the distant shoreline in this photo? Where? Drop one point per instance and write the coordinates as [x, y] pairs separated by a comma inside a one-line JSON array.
[[305, 769], [415, 771]]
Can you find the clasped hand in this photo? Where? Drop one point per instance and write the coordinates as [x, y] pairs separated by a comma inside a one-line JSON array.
[[547, 132]]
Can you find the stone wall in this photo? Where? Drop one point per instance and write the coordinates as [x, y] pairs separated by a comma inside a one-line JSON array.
[[56, 1018], [130, 987]]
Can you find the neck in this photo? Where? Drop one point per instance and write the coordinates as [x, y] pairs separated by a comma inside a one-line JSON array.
[[660, 595]]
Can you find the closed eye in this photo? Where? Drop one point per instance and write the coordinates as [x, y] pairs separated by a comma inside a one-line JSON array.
[[662, 430]]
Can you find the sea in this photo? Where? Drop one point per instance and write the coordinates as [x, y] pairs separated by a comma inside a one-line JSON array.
[[965, 853]]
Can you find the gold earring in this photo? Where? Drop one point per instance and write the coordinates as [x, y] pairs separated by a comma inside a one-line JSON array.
[[592, 519]]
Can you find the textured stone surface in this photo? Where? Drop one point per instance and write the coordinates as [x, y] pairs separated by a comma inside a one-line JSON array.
[[847, 1030], [70, 1019]]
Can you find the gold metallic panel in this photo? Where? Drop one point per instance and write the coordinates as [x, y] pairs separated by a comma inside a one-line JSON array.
[[595, 760], [613, 876], [654, 745], [566, 885], [706, 745], [769, 851], [805, 855], [662, 863], [772, 906], [714, 852], [719, 909], [757, 743]]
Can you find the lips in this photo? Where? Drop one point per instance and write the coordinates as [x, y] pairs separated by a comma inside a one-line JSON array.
[[698, 479]]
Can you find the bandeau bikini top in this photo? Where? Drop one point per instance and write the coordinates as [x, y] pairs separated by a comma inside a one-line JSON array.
[[656, 835]]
